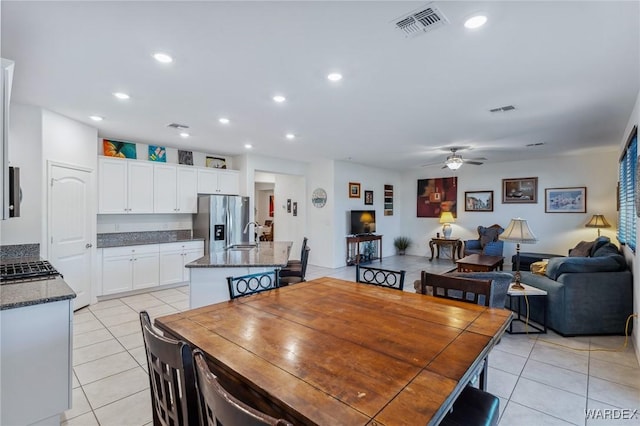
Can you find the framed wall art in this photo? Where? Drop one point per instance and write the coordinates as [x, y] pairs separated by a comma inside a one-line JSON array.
[[368, 198], [436, 196], [565, 200], [354, 190], [520, 190], [478, 201]]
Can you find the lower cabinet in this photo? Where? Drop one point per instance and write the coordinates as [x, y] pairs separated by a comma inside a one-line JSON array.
[[144, 266], [173, 257], [130, 268]]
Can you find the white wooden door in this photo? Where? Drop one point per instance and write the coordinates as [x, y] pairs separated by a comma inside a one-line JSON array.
[[228, 182], [112, 186], [207, 181], [146, 270], [117, 273], [187, 193], [164, 188], [71, 223], [140, 187]]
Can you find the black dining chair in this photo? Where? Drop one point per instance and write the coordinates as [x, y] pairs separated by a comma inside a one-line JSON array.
[[171, 378], [246, 285], [474, 406], [219, 408], [295, 262], [380, 277], [295, 273]]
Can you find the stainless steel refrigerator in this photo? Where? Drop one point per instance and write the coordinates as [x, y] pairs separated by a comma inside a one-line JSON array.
[[221, 220]]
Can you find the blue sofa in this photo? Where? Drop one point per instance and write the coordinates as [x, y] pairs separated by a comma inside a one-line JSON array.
[[587, 295]]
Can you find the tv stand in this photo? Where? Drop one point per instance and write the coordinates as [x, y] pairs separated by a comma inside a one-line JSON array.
[[372, 249]]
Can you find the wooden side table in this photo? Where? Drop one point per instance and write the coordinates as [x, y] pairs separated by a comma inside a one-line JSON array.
[[528, 291], [454, 243], [354, 257], [480, 263]]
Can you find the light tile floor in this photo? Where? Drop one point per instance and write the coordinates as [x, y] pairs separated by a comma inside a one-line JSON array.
[[540, 380]]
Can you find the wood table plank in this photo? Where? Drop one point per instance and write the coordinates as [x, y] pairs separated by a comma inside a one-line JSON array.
[[330, 351]]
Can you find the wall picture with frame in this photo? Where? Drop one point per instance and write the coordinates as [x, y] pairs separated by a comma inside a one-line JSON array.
[[565, 200], [354, 190], [368, 198], [478, 201], [520, 190]]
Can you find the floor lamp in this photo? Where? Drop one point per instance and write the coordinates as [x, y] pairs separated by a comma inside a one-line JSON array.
[[518, 232]]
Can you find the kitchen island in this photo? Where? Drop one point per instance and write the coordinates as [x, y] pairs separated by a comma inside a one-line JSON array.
[[209, 274]]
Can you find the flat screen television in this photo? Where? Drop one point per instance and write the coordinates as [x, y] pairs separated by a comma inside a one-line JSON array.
[[363, 222]]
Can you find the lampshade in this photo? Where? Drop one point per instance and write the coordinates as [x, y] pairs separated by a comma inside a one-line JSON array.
[[447, 217], [598, 221], [366, 217], [518, 232]]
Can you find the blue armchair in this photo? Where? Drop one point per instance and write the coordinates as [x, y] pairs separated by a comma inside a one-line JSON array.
[[487, 242]]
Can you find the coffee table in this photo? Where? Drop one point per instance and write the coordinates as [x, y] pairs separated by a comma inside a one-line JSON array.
[[480, 263], [529, 292]]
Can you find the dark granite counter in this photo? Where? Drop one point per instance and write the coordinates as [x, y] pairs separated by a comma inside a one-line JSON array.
[[266, 254], [34, 293], [122, 239]]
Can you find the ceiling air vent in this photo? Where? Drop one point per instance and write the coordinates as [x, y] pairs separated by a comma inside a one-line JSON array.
[[178, 126], [503, 109], [421, 20]]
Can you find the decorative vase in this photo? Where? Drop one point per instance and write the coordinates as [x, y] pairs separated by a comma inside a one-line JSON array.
[[446, 230]]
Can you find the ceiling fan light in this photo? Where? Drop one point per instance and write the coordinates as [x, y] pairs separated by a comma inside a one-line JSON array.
[[454, 162]]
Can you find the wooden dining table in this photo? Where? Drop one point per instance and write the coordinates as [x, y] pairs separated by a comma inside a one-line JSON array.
[[335, 352]]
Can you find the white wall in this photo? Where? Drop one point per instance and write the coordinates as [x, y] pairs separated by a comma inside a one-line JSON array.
[[25, 151], [372, 179], [556, 232], [288, 227], [321, 222], [634, 120]]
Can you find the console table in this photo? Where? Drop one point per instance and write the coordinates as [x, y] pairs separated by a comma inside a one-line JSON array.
[[454, 243], [354, 256]]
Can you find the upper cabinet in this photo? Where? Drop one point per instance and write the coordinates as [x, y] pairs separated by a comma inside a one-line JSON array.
[[125, 186], [174, 189], [133, 186], [218, 181]]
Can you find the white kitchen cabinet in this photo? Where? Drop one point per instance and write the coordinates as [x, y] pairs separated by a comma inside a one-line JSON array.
[[174, 256], [218, 181], [130, 268], [174, 189], [125, 186], [35, 348]]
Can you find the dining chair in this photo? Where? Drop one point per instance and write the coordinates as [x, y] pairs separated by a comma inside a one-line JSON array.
[[295, 273], [171, 378], [473, 407], [456, 288], [293, 262], [246, 285], [219, 408], [380, 277]]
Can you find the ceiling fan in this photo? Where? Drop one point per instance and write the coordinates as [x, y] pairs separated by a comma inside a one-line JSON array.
[[455, 161]]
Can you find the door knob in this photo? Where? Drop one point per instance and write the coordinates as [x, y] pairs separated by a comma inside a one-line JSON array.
[[89, 245]]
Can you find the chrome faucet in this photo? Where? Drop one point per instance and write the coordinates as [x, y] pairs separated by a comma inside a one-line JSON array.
[[246, 227]]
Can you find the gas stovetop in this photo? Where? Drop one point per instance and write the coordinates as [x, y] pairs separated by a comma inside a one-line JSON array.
[[27, 271]]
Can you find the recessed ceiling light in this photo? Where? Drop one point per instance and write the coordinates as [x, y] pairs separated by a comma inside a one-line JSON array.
[[184, 134], [223, 120], [279, 98], [162, 57], [121, 95], [96, 118], [248, 145], [334, 76], [475, 22], [290, 136]]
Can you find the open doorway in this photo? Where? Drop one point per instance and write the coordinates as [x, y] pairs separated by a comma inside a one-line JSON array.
[[264, 205]]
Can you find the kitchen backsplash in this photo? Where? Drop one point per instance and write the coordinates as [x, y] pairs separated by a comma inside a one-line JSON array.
[[16, 251], [113, 223]]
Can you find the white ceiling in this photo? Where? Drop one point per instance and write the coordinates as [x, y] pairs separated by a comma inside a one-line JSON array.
[[570, 68]]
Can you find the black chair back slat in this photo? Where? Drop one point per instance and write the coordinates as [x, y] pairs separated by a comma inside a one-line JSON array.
[[380, 277], [254, 283]]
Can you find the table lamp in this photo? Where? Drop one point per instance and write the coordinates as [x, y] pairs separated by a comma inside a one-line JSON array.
[[598, 221], [366, 219], [446, 218], [518, 232]]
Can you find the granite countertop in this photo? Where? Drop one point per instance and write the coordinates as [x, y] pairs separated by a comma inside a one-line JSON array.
[[266, 254], [122, 239], [34, 293]]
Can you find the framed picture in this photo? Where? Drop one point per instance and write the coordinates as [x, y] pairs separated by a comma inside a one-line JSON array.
[[288, 205], [354, 190], [215, 162], [565, 200], [368, 197], [185, 157], [436, 196], [270, 205], [478, 201], [119, 149], [520, 190], [295, 208], [157, 153]]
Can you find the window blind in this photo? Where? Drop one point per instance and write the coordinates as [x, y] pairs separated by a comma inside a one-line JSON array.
[[627, 214]]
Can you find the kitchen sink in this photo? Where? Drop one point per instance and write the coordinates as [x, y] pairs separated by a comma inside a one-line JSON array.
[[242, 247]]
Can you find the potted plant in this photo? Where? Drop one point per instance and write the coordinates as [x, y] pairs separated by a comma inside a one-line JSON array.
[[401, 244]]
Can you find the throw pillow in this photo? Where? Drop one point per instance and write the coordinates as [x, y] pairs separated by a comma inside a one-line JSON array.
[[488, 235], [582, 249], [539, 268]]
